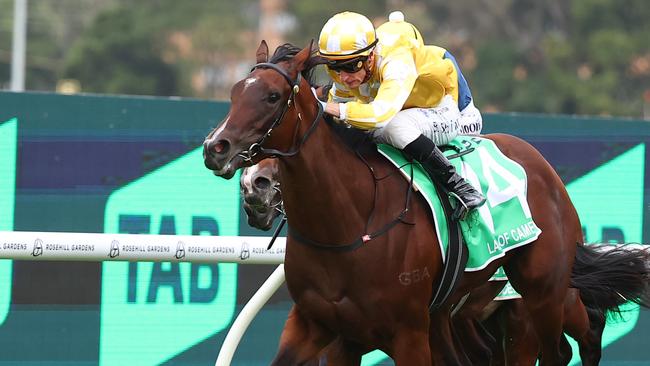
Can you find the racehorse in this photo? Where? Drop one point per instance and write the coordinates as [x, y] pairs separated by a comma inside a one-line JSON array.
[[508, 321], [351, 238], [260, 189]]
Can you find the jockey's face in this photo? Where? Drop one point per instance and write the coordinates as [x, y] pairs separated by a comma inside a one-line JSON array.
[[353, 74], [353, 80]]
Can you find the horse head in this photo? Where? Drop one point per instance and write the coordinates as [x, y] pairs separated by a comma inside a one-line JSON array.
[[263, 106], [260, 188]]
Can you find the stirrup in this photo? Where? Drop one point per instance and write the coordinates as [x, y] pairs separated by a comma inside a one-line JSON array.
[[461, 210]]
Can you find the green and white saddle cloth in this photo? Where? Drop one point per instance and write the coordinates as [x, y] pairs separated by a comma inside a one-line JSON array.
[[503, 223]]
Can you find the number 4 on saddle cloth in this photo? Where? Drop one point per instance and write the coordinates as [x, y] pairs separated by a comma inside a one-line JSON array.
[[503, 223]]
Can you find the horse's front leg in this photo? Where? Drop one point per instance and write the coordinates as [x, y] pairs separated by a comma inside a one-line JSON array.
[[301, 341], [443, 348], [340, 353], [411, 348]]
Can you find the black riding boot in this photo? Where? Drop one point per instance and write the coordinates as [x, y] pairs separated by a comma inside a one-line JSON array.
[[441, 170]]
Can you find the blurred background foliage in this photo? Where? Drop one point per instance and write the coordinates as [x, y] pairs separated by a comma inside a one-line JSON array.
[[553, 56]]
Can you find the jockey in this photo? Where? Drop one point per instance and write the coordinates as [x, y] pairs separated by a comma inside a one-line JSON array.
[[407, 94]]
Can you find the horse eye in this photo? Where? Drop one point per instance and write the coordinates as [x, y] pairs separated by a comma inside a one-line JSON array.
[[273, 97]]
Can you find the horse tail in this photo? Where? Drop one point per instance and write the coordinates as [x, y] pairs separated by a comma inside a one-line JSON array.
[[608, 278]]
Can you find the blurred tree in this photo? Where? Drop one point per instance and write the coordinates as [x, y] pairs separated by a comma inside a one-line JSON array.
[[117, 55], [602, 65], [52, 28], [554, 56], [158, 47], [5, 42]]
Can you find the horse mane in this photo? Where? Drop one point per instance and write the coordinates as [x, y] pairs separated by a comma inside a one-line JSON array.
[[286, 52], [355, 139]]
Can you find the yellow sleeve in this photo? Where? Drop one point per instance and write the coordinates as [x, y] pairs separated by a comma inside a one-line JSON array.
[[398, 75], [339, 93]]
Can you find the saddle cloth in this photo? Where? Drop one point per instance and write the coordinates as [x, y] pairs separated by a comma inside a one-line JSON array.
[[503, 223]]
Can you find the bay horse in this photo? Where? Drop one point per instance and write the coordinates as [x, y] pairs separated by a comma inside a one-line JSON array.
[[351, 238], [260, 189], [509, 338]]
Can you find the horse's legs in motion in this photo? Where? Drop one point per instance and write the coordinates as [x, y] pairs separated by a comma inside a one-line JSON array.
[[339, 353], [441, 340], [541, 271], [492, 325], [512, 324], [584, 325], [475, 341], [411, 348], [301, 340], [520, 343], [597, 320], [543, 294]]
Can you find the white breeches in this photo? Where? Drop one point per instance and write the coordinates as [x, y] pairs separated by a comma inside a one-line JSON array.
[[441, 124]]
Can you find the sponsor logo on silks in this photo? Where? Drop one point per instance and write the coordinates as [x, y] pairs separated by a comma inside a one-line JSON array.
[[115, 249], [180, 250], [38, 248], [245, 251], [172, 304], [469, 129]]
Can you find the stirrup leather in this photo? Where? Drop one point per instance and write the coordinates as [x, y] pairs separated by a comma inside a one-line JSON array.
[[461, 210]]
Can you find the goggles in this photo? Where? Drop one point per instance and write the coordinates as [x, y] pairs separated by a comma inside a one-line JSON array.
[[349, 66]]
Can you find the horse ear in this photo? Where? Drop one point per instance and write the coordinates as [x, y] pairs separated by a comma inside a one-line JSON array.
[[262, 54]]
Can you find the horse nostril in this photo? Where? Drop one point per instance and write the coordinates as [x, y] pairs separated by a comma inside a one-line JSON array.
[[221, 147], [262, 183]]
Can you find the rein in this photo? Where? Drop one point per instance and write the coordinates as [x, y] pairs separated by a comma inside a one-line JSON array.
[[366, 237]]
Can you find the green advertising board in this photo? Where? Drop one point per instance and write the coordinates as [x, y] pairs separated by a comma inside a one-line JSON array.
[[134, 165], [8, 140], [191, 301]]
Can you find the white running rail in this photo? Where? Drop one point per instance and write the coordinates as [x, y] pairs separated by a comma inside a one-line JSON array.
[[248, 313], [53, 246]]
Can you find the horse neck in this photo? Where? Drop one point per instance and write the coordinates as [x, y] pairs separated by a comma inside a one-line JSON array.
[[327, 190]]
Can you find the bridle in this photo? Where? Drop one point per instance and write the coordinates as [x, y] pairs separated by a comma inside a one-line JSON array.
[[256, 148]]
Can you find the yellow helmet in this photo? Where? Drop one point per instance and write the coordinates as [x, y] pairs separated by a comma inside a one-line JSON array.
[[347, 35]]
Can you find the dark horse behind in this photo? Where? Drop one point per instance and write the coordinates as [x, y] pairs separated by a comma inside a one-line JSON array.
[[345, 280]]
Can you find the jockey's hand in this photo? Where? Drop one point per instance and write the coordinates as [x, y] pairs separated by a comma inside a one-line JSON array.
[[324, 104]]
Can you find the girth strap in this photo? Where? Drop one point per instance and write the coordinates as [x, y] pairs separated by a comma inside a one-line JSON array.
[[455, 258]]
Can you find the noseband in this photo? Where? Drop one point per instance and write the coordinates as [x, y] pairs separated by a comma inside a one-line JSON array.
[[256, 148]]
